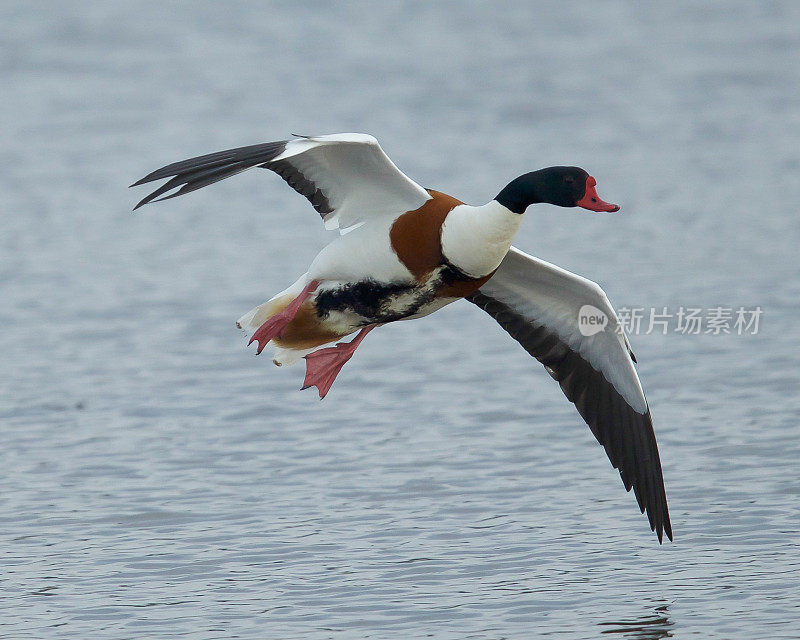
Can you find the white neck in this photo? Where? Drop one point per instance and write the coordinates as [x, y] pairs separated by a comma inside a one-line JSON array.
[[476, 239]]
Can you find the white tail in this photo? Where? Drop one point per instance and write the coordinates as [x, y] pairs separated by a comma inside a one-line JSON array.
[[257, 316]]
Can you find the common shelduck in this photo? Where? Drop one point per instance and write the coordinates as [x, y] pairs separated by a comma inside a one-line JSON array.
[[404, 252]]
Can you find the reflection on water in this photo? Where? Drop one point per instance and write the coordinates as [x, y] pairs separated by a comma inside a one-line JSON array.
[[649, 627]]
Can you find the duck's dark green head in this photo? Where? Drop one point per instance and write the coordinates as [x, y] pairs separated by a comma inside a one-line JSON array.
[[562, 186]]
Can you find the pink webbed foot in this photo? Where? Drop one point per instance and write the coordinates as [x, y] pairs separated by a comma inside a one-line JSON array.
[[323, 365], [272, 328], [276, 324]]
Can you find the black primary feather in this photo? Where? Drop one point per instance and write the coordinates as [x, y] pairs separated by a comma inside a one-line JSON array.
[[195, 173], [626, 435]]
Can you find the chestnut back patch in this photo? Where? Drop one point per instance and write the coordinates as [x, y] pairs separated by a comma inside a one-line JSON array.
[[416, 236], [306, 330]]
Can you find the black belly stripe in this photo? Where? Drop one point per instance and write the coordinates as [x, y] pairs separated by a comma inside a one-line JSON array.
[[370, 299]]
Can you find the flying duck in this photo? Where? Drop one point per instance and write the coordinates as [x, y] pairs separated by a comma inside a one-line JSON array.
[[404, 252]]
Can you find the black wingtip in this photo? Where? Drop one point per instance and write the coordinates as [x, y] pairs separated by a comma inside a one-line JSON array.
[[158, 174], [668, 529], [661, 533], [149, 200], [195, 173], [664, 527], [141, 203]]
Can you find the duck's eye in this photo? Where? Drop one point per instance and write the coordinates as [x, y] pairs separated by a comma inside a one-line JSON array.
[[569, 179]]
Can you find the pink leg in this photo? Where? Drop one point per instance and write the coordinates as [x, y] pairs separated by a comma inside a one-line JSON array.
[[323, 365], [275, 325]]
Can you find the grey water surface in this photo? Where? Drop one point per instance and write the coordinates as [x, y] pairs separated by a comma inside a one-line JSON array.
[[157, 480]]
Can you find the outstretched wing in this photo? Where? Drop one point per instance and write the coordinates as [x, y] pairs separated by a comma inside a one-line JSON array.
[[539, 304], [346, 176]]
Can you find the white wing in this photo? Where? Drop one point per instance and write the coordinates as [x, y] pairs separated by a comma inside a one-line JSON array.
[[539, 304], [347, 177]]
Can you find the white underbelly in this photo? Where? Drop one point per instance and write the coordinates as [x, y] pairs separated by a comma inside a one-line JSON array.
[[364, 253], [428, 308]]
